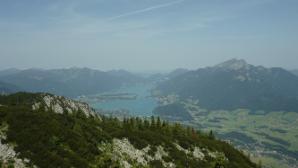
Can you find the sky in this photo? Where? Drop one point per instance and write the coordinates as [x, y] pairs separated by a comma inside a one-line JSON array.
[[141, 35]]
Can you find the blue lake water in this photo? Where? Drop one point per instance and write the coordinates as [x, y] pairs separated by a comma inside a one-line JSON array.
[[143, 105]]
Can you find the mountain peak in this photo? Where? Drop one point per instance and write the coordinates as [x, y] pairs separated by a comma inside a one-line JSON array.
[[234, 64]]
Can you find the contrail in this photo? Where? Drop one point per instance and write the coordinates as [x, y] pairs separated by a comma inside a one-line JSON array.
[[145, 10]]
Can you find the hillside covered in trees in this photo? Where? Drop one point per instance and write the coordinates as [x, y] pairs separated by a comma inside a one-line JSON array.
[[236, 84], [70, 82], [44, 130], [6, 88]]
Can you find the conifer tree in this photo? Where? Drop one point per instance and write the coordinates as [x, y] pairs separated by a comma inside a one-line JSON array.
[[158, 122], [153, 124], [211, 135]]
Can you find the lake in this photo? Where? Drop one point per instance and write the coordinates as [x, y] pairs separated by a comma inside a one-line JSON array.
[[142, 105]]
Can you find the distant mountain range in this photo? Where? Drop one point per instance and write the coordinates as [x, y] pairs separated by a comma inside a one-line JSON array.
[[68, 82], [237, 84], [177, 72], [6, 88], [295, 71], [158, 77], [9, 71]]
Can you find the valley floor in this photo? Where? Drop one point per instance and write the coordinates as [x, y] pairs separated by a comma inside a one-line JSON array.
[[269, 137]]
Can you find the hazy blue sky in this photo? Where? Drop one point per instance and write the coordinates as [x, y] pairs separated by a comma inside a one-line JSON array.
[[147, 34]]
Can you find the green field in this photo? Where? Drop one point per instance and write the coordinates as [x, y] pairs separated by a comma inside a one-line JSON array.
[[269, 137]]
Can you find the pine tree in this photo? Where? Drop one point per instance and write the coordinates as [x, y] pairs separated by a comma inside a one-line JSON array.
[[146, 123], [153, 124], [164, 124], [158, 122], [211, 135]]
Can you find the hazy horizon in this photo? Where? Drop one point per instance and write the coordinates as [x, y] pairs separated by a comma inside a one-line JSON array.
[[143, 71], [147, 35]]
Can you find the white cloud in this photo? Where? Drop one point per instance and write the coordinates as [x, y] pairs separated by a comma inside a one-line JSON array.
[[145, 10]]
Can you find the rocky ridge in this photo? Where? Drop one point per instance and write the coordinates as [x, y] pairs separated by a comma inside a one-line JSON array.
[[60, 104]]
